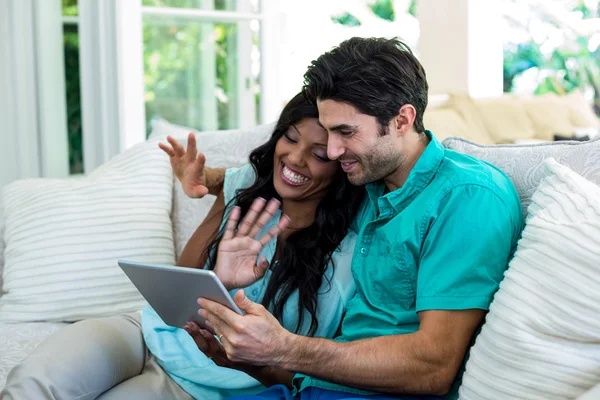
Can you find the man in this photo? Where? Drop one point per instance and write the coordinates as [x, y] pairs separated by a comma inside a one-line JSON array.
[[435, 237]]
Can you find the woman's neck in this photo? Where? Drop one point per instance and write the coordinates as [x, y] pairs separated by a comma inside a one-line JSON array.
[[301, 213]]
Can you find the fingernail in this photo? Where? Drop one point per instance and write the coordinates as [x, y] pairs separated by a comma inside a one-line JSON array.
[[199, 301]]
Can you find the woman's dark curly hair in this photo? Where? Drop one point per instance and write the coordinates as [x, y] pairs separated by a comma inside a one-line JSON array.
[[307, 252]]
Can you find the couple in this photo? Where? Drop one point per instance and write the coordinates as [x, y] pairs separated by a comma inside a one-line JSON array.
[[432, 233]]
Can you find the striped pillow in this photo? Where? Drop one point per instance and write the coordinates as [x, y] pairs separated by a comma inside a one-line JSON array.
[[64, 236], [541, 337]]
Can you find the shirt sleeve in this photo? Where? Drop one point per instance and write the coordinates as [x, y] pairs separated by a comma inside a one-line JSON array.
[[235, 179], [466, 250]]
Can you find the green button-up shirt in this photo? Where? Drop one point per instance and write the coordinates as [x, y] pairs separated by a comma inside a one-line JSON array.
[[440, 242]]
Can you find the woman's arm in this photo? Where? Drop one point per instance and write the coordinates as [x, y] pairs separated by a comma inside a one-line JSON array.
[[191, 256], [215, 177]]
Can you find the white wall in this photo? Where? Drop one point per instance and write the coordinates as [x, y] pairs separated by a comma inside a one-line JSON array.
[[460, 46]]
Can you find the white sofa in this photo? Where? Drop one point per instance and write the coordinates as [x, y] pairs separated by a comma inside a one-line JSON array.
[[521, 163]]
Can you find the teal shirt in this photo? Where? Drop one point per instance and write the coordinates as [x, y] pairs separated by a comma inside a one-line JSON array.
[[198, 375], [440, 242]]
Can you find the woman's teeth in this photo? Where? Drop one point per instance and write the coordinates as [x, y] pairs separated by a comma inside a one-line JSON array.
[[294, 177]]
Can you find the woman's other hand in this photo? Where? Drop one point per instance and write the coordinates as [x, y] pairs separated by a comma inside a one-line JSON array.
[[188, 166], [238, 251]]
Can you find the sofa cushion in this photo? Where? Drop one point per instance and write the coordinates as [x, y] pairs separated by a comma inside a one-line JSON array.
[[580, 111], [465, 106], [505, 119], [549, 116], [540, 339], [223, 149], [64, 237], [444, 123], [523, 163]]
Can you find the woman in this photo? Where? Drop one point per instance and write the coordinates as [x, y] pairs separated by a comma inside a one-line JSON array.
[[306, 288]]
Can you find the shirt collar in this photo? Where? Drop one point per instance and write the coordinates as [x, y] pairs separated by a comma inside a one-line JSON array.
[[419, 177]]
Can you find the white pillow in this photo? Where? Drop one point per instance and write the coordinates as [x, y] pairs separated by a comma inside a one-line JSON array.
[[64, 236], [223, 149], [541, 339], [1, 249]]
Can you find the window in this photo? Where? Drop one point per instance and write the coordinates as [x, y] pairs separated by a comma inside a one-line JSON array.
[[195, 63], [202, 62], [72, 85]]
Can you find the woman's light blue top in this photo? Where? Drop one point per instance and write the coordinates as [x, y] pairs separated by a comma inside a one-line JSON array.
[[198, 375]]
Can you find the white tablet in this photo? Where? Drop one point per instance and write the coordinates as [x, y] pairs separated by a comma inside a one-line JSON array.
[[173, 291]]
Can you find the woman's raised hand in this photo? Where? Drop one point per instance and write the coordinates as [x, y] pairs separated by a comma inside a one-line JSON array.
[[238, 251], [188, 166]]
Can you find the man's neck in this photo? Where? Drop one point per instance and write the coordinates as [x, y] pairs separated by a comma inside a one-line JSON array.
[[398, 177]]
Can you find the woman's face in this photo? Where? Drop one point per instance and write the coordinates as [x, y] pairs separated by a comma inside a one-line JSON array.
[[302, 170]]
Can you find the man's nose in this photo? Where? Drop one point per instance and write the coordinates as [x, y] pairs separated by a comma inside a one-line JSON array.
[[335, 147]]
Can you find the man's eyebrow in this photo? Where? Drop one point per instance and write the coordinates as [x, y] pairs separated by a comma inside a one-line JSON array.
[[343, 127]]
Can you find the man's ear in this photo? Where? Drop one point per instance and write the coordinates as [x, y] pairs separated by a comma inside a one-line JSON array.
[[404, 121]]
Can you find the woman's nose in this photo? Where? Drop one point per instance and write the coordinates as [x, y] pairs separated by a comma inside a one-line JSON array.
[[296, 157]]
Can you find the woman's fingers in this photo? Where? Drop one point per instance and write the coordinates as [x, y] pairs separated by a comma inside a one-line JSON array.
[[250, 218], [191, 151], [265, 217], [199, 164], [178, 147], [261, 268], [167, 149], [232, 223], [283, 223]]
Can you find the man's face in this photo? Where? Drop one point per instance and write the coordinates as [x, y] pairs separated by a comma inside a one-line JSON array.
[[366, 151]]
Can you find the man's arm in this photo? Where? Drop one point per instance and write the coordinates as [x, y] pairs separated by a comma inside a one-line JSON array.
[[271, 376], [425, 362]]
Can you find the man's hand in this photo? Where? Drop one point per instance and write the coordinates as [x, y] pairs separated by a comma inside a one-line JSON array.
[[255, 338], [214, 350], [238, 251], [210, 346], [188, 166]]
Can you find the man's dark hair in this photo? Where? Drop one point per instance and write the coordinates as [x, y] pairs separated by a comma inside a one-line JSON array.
[[375, 75]]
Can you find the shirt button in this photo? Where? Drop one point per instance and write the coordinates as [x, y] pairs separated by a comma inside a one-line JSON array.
[[363, 250], [254, 292]]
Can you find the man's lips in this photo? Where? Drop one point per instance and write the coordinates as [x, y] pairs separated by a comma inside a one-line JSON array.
[[348, 165]]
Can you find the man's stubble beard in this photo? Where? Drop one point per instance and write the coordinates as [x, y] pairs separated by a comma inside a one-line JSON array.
[[379, 163]]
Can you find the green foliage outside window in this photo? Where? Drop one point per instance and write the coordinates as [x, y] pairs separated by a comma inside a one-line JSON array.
[[568, 66], [383, 9], [73, 92]]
